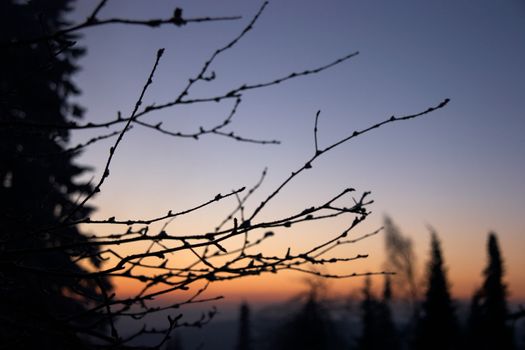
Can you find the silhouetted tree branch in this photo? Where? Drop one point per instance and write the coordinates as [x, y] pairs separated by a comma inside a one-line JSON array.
[[157, 266], [93, 21]]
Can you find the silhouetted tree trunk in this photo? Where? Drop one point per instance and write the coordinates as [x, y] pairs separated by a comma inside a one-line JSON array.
[[488, 328], [437, 327], [387, 289]]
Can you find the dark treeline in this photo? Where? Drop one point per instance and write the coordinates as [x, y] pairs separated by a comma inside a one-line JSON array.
[[434, 322]]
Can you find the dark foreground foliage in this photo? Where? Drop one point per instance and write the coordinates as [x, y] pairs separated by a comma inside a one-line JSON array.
[[39, 307]]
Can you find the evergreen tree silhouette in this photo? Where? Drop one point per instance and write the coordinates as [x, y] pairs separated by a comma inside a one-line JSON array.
[[401, 259], [378, 329], [437, 327], [521, 332], [38, 184], [388, 329], [368, 338], [244, 339], [387, 289], [311, 328], [175, 343], [488, 328]]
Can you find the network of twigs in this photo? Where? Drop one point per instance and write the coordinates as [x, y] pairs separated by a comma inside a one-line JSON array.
[[212, 261]]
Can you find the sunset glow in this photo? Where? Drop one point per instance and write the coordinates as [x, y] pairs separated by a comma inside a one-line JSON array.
[[459, 169]]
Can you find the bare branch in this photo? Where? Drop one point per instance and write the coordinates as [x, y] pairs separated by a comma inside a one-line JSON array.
[[119, 139], [93, 21]]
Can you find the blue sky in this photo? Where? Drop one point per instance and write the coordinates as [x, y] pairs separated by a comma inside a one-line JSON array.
[[459, 169]]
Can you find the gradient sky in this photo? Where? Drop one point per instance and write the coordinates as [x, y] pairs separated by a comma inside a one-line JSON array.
[[460, 169]]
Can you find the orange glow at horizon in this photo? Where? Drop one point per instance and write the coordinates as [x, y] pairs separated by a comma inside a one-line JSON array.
[[464, 262], [284, 286], [267, 288]]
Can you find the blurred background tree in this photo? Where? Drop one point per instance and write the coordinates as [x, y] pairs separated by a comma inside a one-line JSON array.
[[488, 322], [401, 259], [311, 328], [378, 328], [437, 326], [244, 341]]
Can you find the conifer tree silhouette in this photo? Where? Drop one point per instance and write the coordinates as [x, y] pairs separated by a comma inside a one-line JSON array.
[[244, 339], [175, 342], [387, 289], [368, 339], [437, 327], [378, 329], [402, 260], [388, 328], [487, 322], [38, 186], [310, 328], [54, 292]]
